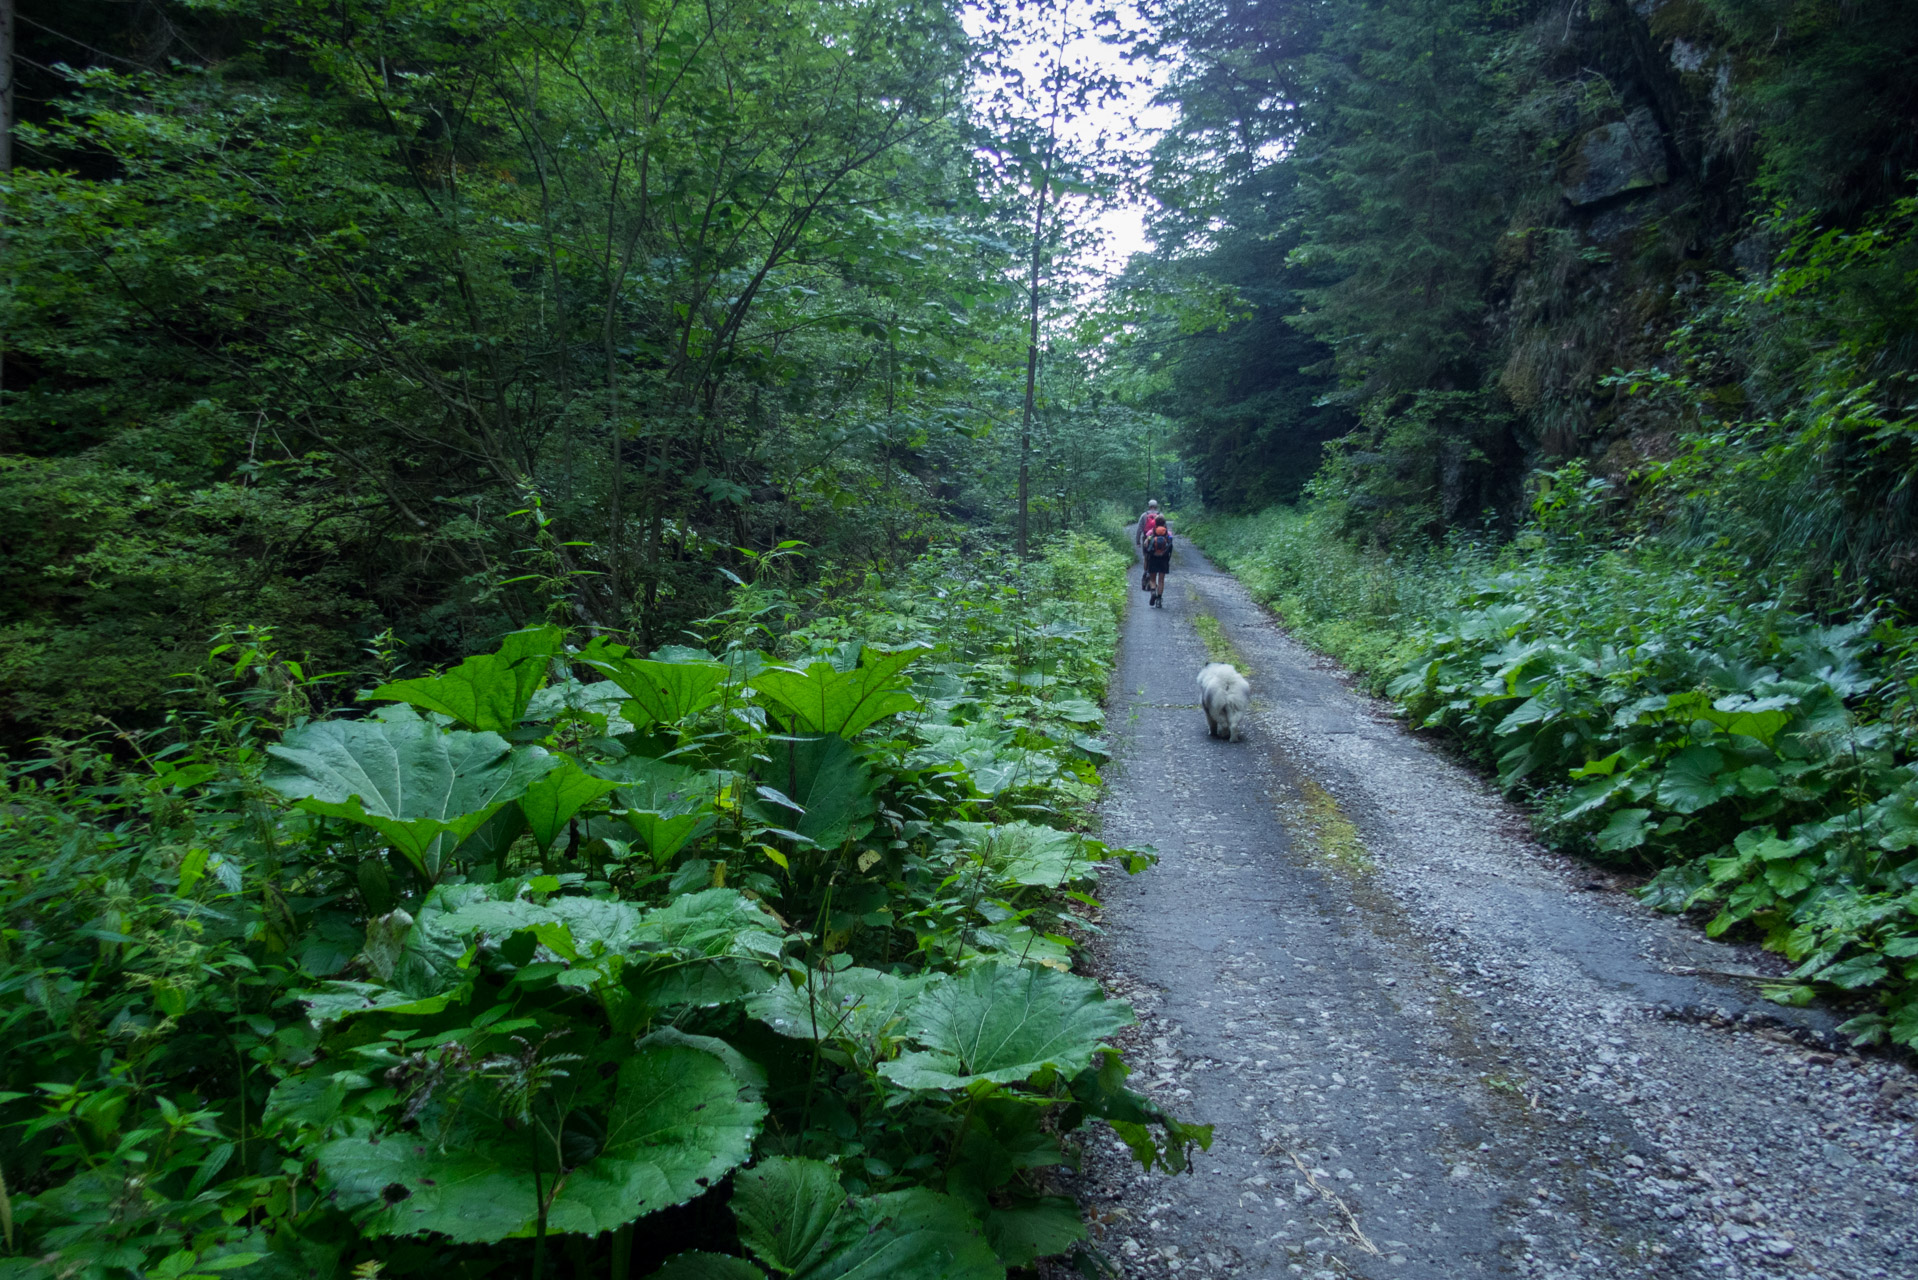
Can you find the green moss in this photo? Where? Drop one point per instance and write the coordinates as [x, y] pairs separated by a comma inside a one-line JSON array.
[[1330, 833], [1217, 647]]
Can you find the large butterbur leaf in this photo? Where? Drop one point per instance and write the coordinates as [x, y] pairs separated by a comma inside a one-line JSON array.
[[909, 1235], [986, 754], [1003, 1024], [789, 1212], [684, 1112], [404, 777], [1694, 779], [850, 1004], [822, 699], [1025, 853], [1102, 1091], [797, 1220], [713, 922], [664, 692], [667, 805], [550, 802], [707, 1266], [820, 788], [488, 692], [1023, 1234]]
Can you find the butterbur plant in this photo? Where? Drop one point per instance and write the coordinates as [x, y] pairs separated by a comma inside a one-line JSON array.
[[575, 960], [1749, 756]]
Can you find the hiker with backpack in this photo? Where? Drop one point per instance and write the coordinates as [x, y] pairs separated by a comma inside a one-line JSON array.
[[1157, 546], [1144, 524]]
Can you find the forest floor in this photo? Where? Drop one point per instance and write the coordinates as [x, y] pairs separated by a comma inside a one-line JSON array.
[[1431, 1047]]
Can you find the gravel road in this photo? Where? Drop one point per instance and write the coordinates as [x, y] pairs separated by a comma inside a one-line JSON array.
[[1430, 1047]]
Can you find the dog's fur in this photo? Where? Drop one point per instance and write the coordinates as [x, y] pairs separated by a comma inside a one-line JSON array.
[[1227, 700]]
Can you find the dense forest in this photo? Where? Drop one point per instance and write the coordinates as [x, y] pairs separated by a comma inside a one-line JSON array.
[[560, 560], [304, 301]]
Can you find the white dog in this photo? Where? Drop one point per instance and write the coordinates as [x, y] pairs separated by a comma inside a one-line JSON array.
[[1227, 700]]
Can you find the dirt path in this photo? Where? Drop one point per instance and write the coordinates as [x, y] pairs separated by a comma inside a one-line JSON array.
[[1429, 1047]]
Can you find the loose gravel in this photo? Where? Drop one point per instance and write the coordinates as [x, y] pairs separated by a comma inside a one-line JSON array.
[[1432, 1048]]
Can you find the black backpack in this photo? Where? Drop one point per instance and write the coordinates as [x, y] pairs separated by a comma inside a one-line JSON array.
[[1159, 544]]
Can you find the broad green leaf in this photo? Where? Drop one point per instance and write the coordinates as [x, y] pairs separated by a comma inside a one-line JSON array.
[[789, 1212], [1627, 830], [599, 702], [494, 837], [707, 1266], [589, 926], [1025, 1233], [1025, 853], [664, 836], [1692, 780], [342, 999], [822, 699], [1019, 945], [1003, 1024], [1738, 715], [828, 781], [1858, 971], [661, 786], [667, 805], [1789, 876], [909, 1235], [714, 922], [405, 777], [488, 692], [681, 1117], [666, 692], [702, 983], [795, 1218], [1102, 1091], [851, 1004], [550, 803], [1077, 710], [986, 753]]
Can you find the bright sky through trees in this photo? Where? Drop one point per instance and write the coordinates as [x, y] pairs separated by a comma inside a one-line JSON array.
[[1129, 124]]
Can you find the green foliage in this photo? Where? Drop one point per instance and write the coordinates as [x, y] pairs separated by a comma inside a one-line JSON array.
[[395, 993], [489, 692], [797, 1220], [311, 311], [1001, 1025], [406, 778], [1665, 716]]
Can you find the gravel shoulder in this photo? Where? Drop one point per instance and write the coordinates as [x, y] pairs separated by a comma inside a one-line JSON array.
[[1432, 1048]]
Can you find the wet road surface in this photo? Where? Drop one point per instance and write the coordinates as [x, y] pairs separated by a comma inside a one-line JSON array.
[[1431, 1048]]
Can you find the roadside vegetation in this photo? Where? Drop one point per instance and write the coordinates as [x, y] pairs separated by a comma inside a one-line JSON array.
[[505, 969], [1665, 716]]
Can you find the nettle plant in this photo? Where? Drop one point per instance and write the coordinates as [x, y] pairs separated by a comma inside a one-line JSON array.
[[556, 942]]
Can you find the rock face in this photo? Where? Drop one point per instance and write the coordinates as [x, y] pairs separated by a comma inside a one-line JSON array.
[[1625, 155]]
